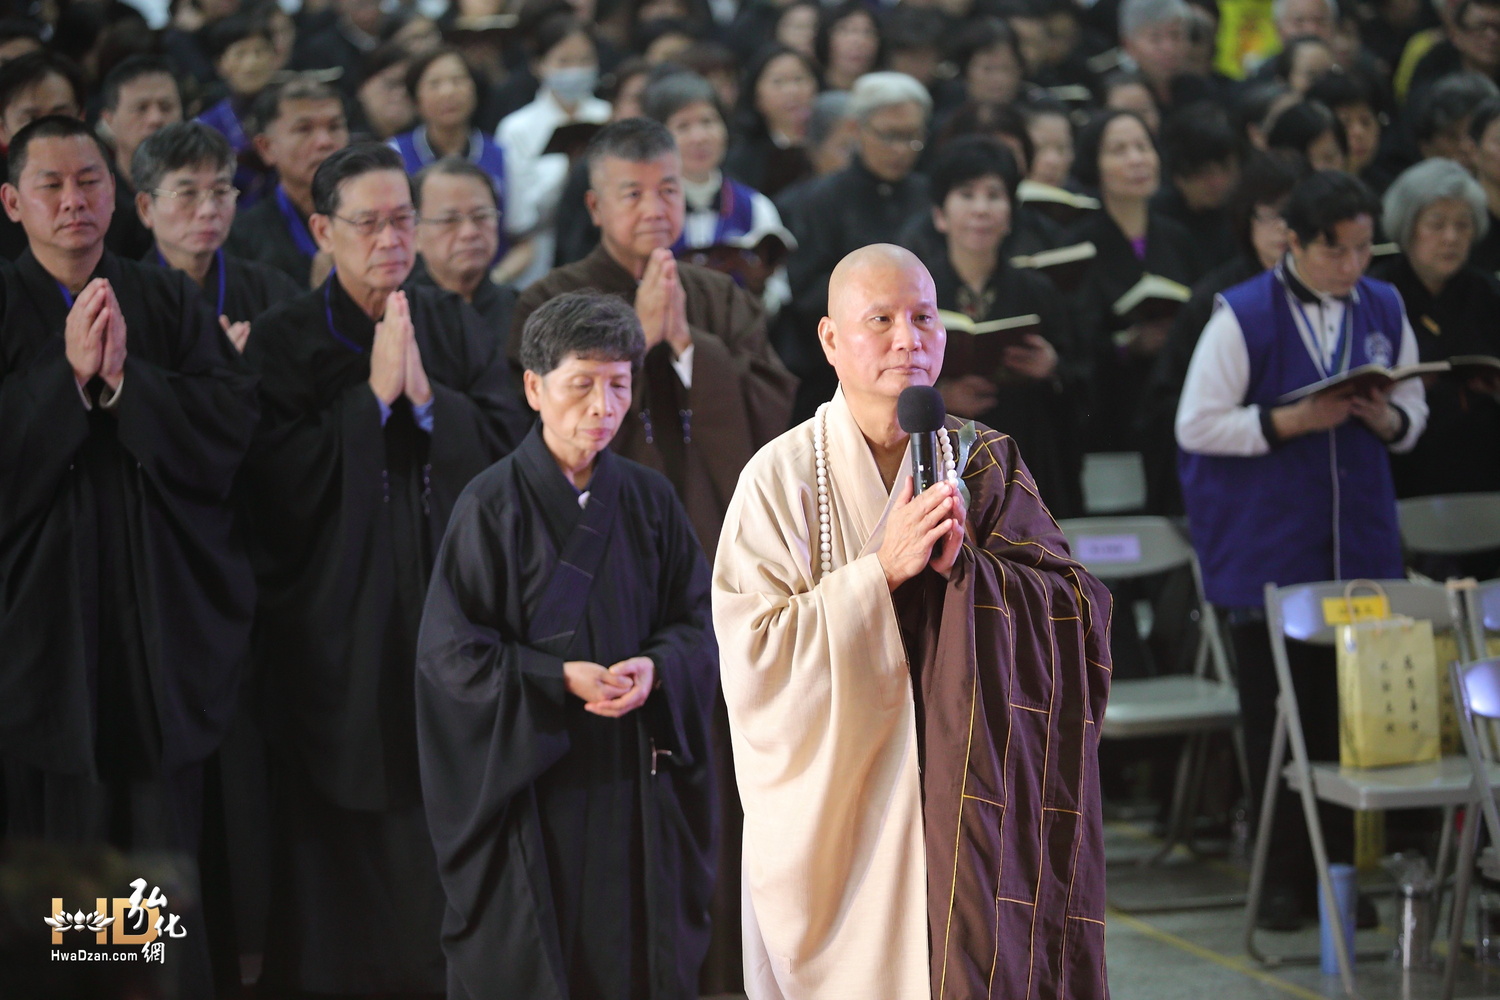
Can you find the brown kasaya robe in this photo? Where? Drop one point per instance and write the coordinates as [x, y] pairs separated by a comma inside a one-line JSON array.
[[918, 770], [741, 395]]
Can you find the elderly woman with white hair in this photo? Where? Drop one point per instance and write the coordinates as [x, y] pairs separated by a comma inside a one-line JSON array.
[[1435, 212], [867, 202]]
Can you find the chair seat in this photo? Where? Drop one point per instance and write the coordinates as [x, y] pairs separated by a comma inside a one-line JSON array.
[[1165, 706], [1442, 782]]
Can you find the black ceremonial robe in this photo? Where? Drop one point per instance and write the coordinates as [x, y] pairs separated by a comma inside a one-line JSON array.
[[122, 582], [495, 303], [261, 234], [347, 514], [576, 851], [250, 287]]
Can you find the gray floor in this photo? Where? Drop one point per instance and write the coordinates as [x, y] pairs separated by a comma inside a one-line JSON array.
[[1200, 953]]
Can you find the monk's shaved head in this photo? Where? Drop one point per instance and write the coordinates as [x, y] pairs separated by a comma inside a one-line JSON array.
[[882, 331], [859, 268]]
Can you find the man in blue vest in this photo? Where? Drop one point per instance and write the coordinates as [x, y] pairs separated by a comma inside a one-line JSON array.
[[1299, 492]]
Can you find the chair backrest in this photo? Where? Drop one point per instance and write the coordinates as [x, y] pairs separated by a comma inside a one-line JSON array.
[[1114, 482], [1476, 695], [1298, 611], [1451, 523], [1122, 548]]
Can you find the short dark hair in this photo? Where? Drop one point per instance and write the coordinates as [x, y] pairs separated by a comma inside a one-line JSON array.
[[381, 58], [589, 325], [1347, 88], [981, 36], [452, 166], [1267, 178], [1484, 116], [25, 72], [1196, 138], [1284, 61], [177, 147], [48, 127], [665, 97], [129, 70], [226, 32], [908, 28], [1322, 200], [1299, 126], [635, 140], [968, 158], [1447, 102], [12, 28], [299, 87], [1091, 141], [977, 118], [553, 29], [348, 163], [422, 63]]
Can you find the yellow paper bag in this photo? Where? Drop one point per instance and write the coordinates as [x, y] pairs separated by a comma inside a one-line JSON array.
[[1388, 693]]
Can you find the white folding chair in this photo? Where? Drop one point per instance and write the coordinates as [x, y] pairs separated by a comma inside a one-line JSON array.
[[1476, 695], [1450, 524], [1194, 705], [1114, 482], [1297, 612]]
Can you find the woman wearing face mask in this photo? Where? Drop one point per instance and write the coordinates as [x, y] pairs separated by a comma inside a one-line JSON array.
[[565, 60], [1034, 395], [1435, 211], [1117, 158], [720, 210], [776, 104]]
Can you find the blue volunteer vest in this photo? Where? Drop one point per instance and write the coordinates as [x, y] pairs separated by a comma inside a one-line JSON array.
[[1318, 507], [735, 216], [484, 153]]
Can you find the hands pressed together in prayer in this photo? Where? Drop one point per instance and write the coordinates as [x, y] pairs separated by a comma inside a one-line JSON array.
[[614, 691], [915, 526], [395, 360], [237, 333], [661, 303], [95, 335]]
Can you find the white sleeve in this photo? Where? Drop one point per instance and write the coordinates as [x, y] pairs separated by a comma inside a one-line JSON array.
[[1211, 417], [520, 168], [1410, 395]]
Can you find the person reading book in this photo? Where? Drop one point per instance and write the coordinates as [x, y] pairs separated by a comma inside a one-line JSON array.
[[1029, 383], [1300, 492]]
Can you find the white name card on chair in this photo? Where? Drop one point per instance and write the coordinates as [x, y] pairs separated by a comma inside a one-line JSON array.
[[1097, 549]]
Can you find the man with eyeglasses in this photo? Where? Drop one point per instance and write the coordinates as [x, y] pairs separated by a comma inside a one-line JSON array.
[[185, 195], [458, 237], [127, 594], [1472, 46], [382, 400], [867, 202], [298, 125]]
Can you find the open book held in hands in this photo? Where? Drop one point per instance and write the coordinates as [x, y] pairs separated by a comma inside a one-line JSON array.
[[1058, 204], [1466, 366], [978, 348], [1065, 266], [1151, 298], [571, 139], [1365, 379]]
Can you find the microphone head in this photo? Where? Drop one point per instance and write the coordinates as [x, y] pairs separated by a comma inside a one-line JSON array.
[[920, 410]]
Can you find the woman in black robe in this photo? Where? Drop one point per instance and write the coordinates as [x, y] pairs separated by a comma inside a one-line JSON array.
[[776, 104], [1035, 397], [566, 674], [1116, 156], [1436, 211]]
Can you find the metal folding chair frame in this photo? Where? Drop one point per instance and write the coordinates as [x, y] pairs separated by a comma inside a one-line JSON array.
[[1417, 600]]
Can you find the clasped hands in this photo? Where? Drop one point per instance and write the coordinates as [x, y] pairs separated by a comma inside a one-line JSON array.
[[661, 304], [611, 691], [917, 524], [94, 335], [395, 361]]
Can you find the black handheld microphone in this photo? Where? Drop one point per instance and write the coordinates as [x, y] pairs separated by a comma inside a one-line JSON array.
[[920, 412]]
